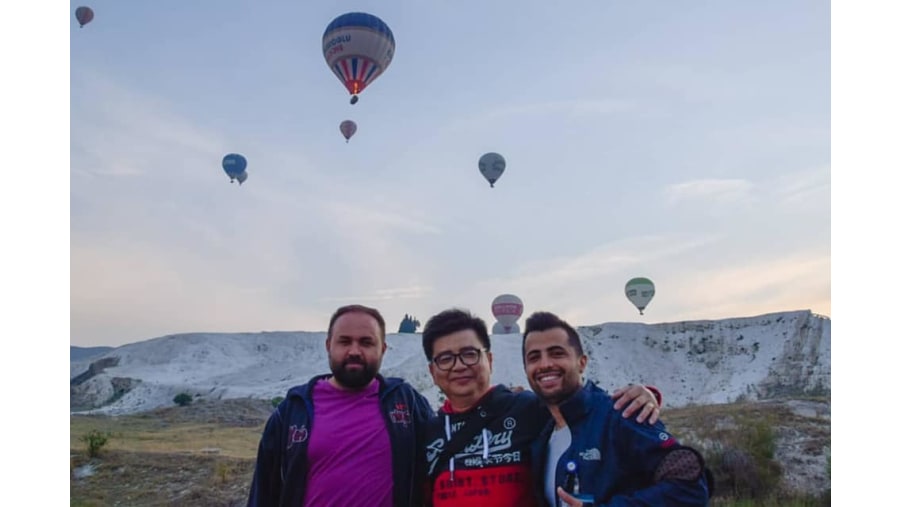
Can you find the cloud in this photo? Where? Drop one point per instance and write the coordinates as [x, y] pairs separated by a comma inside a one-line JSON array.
[[124, 132], [715, 191], [803, 187], [413, 292]]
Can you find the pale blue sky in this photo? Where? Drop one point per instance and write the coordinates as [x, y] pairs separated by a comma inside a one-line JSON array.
[[688, 142]]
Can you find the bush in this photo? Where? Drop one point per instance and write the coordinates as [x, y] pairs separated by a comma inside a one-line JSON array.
[[745, 468], [183, 399], [94, 441], [276, 400]]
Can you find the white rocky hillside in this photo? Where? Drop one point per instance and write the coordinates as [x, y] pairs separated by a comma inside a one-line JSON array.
[[695, 362]]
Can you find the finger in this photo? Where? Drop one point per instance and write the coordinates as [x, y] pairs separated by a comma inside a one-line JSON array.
[[636, 404], [655, 416], [646, 412], [625, 394], [569, 499]]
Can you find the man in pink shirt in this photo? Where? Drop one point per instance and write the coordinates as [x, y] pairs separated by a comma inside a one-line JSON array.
[[350, 438]]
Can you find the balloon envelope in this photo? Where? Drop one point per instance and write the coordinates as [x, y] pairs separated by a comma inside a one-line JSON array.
[[507, 309], [84, 15], [491, 166], [348, 128], [234, 164], [640, 291], [242, 177], [358, 47]]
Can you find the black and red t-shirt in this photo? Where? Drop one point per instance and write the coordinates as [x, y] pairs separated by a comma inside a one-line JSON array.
[[494, 468]]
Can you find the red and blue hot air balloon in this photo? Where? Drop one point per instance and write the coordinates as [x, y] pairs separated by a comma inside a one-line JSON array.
[[358, 47], [84, 15]]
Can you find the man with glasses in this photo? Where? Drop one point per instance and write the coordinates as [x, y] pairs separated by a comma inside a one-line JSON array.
[[478, 448]]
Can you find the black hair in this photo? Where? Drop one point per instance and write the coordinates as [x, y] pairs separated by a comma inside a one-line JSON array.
[[451, 321], [542, 321]]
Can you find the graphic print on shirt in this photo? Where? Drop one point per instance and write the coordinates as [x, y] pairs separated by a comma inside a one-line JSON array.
[[297, 435], [472, 455], [400, 414]]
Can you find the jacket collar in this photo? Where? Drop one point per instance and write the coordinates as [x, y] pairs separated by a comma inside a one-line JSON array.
[[578, 406]]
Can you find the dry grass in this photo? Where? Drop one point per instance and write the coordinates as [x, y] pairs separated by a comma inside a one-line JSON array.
[[203, 455]]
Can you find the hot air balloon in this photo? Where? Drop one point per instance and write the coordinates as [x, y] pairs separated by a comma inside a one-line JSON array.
[[348, 128], [242, 177], [358, 47], [640, 291], [491, 166], [84, 15], [507, 309], [234, 165], [501, 329]]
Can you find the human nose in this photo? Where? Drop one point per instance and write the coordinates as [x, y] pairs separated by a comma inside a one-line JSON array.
[[544, 361]]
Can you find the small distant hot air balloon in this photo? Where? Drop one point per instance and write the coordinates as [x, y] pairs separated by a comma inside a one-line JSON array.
[[84, 15], [501, 329], [234, 164], [241, 178], [358, 47], [640, 291], [507, 309], [491, 166], [348, 128]]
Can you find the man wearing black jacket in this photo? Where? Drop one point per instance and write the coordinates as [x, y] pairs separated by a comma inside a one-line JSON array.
[[353, 427], [478, 448]]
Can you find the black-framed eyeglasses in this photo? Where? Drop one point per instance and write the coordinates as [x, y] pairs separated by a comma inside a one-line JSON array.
[[447, 360]]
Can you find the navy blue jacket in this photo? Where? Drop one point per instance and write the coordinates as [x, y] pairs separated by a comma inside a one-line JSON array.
[[281, 464], [617, 458]]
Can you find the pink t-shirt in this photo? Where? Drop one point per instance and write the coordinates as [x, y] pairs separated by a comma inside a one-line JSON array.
[[349, 450]]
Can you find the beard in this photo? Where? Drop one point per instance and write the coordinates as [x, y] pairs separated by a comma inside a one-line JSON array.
[[355, 378], [568, 387]]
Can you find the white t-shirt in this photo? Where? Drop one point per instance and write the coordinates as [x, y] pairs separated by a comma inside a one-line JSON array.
[[560, 440]]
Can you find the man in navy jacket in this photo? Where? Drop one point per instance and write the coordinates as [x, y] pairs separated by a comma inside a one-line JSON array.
[[346, 439], [588, 454]]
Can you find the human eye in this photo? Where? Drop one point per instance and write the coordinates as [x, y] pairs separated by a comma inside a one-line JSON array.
[[443, 359], [470, 355]]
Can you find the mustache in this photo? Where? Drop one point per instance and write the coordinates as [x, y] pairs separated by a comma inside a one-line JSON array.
[[354, 360]]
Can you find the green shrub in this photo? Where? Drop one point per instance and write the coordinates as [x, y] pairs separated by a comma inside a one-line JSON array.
[[94, 441], [276, 400], [183, 399]]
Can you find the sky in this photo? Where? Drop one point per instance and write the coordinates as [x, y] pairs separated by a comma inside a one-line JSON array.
[[686, 142], [45, 66]]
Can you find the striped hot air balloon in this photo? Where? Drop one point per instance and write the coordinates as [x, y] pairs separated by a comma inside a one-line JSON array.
[[358, 47]]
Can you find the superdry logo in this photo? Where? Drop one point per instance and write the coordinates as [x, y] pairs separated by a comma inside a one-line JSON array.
[[296, 436], [400, 414]]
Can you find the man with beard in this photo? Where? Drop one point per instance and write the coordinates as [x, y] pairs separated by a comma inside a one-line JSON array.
[[478, 449], [351, 428], [587, 454]]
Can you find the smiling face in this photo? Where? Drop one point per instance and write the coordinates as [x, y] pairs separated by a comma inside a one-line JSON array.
[[355, 348], [552, 365], [462, 384]]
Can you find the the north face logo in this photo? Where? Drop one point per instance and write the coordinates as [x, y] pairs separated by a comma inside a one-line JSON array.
[[297, 435]]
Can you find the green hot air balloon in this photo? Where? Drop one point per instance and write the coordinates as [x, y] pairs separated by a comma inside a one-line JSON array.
[[640, 291]]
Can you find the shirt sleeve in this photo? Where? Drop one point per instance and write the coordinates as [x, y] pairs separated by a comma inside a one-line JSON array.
[[675, 472]]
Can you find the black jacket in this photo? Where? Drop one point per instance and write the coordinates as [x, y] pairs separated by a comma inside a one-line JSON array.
[[280, 475]]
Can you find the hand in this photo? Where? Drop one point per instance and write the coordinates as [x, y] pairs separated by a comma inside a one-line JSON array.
[[567, 498], [641, 399], [516, 389]]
